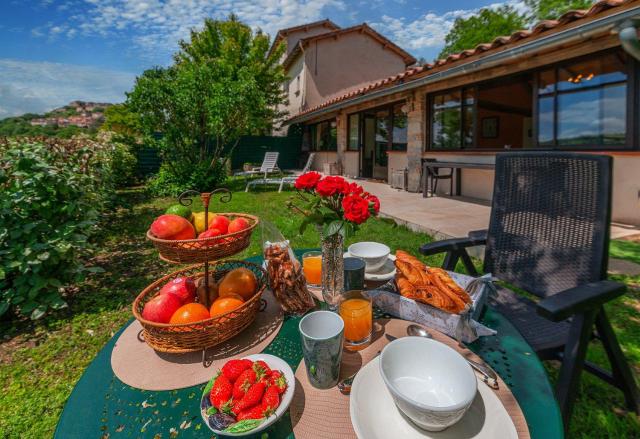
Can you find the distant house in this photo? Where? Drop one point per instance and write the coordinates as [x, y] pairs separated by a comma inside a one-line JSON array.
[[568, 84], [322, 61]]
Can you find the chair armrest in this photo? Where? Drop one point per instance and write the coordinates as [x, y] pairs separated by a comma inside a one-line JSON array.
[[478, 234], [453, 244], [566, 303]]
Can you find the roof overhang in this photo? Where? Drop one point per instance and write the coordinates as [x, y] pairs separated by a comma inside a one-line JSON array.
[[526, 48]]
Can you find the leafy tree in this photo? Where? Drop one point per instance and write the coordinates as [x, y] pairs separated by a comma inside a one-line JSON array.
[[223, 84], [488, 24], [552, 9], [123, 123]]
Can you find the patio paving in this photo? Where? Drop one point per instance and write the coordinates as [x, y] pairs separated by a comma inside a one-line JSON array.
[[446, 217]]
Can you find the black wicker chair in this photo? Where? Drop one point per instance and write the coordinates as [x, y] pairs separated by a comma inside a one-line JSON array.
[[549, 235], [434, 175]]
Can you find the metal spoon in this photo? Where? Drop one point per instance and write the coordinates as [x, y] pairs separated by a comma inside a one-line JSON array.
[[490, 377]]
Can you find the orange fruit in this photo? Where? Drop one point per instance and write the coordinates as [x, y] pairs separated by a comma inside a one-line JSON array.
[[226, 304], [190, 313], [239, 281]]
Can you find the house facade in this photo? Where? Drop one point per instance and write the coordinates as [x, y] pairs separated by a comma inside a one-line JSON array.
[[569, 84], [323, 61]]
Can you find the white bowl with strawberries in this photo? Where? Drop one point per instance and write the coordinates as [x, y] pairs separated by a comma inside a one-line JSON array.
[[247, 395]]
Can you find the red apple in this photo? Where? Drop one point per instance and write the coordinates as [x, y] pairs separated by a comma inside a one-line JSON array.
[[210, 234], [172, 227], [221, 223], [238, 224], [161, 308], [182, 287]]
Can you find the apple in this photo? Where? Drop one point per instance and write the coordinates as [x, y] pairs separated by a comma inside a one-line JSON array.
[[184, 288], [238, 224], [210, 234], [172, 227], [161, 308], [221, 223]]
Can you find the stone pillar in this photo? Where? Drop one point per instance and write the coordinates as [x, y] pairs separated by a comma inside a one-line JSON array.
[[416, 131], [341, 121]]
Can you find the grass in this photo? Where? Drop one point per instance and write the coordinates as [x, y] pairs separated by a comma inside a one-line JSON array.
[[41, 362]]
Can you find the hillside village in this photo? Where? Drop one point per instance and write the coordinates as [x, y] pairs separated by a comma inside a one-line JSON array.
[[77, 113]]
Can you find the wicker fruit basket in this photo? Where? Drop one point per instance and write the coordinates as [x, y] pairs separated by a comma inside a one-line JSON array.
[[189, 337], [192, 251]]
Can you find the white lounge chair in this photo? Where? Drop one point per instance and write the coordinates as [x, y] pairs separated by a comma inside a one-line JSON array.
[[287, 179], [269, 165]]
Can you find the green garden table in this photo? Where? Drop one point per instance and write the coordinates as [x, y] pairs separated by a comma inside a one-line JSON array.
[[101, 406]]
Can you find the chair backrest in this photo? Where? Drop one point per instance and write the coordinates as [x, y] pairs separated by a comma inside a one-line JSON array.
[[270, 161], [550, 217], [307, 166]]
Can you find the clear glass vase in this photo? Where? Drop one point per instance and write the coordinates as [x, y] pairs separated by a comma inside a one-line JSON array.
[[332, 269]]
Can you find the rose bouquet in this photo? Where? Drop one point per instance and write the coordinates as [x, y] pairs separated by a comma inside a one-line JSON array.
[[336, 207], [333, 204]]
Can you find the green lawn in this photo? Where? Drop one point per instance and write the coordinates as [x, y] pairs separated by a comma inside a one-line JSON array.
[[40, 363]]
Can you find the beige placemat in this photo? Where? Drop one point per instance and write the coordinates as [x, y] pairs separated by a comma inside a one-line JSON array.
[[139, 366], [324, 414]]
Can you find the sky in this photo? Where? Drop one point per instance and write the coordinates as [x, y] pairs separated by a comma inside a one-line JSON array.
[[56, 51]]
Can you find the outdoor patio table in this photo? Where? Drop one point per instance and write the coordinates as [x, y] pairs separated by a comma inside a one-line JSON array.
[[102, 406]]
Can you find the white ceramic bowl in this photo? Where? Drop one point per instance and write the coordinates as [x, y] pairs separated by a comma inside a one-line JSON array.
[[430, 383], [285, 399], [374, 254]]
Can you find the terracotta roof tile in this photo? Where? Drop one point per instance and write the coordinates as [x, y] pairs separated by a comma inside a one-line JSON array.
[[414, 72]]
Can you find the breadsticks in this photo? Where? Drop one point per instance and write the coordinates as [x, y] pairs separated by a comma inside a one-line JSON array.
[[432, 286]]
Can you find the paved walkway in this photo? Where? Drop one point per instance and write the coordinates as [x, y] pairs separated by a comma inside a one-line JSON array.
[[443, 217]]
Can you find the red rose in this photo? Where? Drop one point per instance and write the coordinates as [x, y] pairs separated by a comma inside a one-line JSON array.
[[353, 188], [356, 209], [307, 181], [372, 199], [329, 186]]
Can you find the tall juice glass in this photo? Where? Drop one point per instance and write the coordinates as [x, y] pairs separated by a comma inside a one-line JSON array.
[[312, 268], [356, 310]]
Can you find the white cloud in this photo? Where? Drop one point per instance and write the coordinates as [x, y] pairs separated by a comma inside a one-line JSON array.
[[430, 30], [37, 87], [155, 26]]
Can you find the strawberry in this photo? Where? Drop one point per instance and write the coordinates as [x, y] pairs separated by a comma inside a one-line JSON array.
[[242, 384], [233, 368], [221, 393], [261, 366], [251, 398], [277, 380], [255, 412], [270, 400]]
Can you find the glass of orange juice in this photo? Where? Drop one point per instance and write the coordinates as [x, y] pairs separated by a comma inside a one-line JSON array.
[[312, 268], [356, 310]]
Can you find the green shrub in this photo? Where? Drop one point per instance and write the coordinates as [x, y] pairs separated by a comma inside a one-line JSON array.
[[173, 178], [51, 193]]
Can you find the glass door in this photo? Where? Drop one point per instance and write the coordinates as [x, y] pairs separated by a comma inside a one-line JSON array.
[[382, 137], [367, 151]]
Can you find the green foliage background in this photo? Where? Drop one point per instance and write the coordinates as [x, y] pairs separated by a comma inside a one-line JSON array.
[[51, 195]]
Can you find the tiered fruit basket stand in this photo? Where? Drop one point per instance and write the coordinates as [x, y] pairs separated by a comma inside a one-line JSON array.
[[209, 255]]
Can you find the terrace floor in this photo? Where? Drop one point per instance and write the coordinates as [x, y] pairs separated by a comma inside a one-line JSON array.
[[447, 217]]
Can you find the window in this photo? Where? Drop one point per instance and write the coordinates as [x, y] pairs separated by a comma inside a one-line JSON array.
[[578, 104], [322, 136], [399, 129], [584, 103], [354, 127], [452, 119]]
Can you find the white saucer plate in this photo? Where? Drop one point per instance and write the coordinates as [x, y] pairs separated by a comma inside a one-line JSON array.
[[387, 272], [374, 415]]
